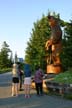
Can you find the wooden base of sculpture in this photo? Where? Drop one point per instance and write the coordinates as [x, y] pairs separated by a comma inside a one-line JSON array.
[[53, 69]]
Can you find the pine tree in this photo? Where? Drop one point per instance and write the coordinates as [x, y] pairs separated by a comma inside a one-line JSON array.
[[35, 51], [4, 56]]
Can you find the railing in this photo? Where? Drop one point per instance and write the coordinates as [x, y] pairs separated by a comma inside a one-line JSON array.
[[59, 87]]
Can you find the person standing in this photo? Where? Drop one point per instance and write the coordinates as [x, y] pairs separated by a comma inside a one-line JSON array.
[[27, 80], [21, 74], [15, 80], [38, 78]]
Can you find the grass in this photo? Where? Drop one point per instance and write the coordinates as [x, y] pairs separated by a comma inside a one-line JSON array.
[[65, 77]]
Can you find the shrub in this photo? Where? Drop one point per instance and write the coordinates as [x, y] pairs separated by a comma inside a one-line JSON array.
[[5, 70]]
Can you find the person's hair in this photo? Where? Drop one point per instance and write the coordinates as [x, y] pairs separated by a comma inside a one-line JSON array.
[[37, 67], [14, 65]]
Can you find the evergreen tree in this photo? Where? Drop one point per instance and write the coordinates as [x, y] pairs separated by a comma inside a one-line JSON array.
[[35, 51], [4, 57], [66, 56]]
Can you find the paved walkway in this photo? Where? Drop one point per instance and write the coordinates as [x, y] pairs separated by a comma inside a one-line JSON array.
[[46, 101]]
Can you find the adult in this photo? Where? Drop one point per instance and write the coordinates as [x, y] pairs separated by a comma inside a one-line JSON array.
[[38, 78], [15, 80], [27, 80], [21, 74]]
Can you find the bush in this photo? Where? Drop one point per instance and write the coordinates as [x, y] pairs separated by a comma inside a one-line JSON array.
[[68, 96], [5, 70], [65, 77]]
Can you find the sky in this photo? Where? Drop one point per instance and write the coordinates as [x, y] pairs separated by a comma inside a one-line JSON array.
[[17, 18]]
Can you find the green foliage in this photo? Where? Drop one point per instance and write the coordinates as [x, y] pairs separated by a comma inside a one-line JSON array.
[[5, 70], [68, 96], [66, 55], [5, 61], [35, 51], [65, 77]]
